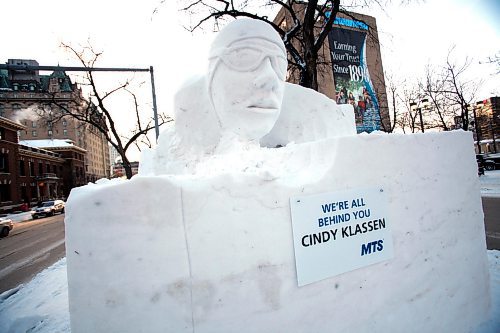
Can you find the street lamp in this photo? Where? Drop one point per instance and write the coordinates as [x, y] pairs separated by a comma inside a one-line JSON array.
[[491, 122], [422, 104], [475, 122]]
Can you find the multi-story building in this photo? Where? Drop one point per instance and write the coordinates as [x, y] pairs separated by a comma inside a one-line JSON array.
[[24, 93], [349, 66], [72, 170], [119, 170], [30, 174], [488, 121], [10, 193]]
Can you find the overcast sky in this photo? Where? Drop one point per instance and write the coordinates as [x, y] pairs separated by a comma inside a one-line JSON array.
[[131, 36]]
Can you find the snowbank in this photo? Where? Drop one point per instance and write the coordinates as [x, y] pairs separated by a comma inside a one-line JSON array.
[[215, 253], [39, 306], [19, 310], [490, 184]]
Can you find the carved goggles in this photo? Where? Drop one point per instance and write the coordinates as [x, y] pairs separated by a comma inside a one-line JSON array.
[[249, 58]]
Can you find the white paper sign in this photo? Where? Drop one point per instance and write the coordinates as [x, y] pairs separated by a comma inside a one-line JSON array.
[[338, 232]]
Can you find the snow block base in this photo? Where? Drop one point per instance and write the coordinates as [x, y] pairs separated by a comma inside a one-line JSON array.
[[215, 254]]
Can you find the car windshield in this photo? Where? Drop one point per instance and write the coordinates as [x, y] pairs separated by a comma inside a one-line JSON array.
[[48, 203]]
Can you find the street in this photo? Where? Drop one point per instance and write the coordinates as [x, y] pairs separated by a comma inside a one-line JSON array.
[[491, 209], [30, 247]]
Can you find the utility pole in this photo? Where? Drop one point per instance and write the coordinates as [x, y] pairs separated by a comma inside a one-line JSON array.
[[93, 69]]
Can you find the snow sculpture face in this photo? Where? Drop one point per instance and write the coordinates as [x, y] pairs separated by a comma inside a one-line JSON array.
[[246, 78]]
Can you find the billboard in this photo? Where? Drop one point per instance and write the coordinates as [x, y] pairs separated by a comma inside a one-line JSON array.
[[351, 75]]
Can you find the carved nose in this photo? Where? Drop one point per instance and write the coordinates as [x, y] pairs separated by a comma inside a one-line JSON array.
[[266, 78]]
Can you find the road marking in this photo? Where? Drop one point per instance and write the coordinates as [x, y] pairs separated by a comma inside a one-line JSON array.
[[31, 259], [493, 234]]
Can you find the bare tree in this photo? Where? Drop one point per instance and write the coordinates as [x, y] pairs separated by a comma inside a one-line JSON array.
[[391, 114], [311, 22], [433, 88], [461, 91], [494, 59], [95, 110], [411, 115], [453, 93]]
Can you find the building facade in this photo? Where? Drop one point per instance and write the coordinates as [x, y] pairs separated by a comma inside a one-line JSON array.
[[10, 193], [72, 170], [30, 174], [349, 67], [25, 93], [487, 130]]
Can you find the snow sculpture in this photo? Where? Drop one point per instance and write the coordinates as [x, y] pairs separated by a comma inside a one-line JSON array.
[[202, 240], [244, 101]]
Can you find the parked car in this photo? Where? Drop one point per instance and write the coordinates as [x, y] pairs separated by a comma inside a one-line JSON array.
[[6, 226], [48, 208], [492, 161]]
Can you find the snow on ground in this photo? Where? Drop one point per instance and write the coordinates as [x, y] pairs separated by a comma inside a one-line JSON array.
[[20, 217], [490, 184], [42, 304]]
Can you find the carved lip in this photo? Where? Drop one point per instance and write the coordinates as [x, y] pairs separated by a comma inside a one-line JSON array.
[[267, 107]]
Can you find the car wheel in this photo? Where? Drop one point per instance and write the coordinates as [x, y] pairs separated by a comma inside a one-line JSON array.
[[62, 211], [4, 232], [489, 167], [52, 213]]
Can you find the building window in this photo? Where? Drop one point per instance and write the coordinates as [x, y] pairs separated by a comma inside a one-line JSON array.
[[32, 168], [50, 132], [34, 193], [65, 132], [22, 171], [2, 133], [33, 133], [5, 192], [4, 162], [24, 194], [33, 124], [40, 168], [64, 123]]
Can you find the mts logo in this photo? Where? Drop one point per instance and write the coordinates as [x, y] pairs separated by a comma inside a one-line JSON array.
[[372, 247]]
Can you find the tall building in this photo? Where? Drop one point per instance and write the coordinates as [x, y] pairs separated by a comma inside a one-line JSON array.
[[23, 93], [488, 121], [349, 66]]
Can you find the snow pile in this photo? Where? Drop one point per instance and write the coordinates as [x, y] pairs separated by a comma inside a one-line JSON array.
[[17, 306], [209, 253], [39, 306], [202, 240]]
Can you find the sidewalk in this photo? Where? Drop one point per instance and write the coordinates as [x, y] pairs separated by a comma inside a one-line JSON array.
[[490, 184]]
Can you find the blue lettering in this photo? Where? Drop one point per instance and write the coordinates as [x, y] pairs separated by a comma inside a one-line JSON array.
[[366, 249], [370, 247], [328, 208]]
